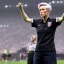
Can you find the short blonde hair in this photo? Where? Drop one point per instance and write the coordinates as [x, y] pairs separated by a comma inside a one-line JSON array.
[[48, 6]]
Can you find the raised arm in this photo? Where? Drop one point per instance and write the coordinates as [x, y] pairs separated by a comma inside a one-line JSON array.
[[60, 19], [24, 15]]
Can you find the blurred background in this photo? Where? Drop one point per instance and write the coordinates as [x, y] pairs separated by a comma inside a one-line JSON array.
[[15, 33]]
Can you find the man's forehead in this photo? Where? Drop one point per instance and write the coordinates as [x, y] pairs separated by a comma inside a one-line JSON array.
[[42, 7]]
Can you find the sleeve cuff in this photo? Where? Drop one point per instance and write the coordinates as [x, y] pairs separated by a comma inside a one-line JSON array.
[[56, 19], [32, 20]]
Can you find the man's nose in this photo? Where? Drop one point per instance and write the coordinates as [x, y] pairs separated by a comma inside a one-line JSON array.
[[41, 11]]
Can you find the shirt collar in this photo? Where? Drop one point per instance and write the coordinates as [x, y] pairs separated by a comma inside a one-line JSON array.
[[46, 21]]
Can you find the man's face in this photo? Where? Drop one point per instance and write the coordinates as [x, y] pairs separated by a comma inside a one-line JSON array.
[[43, 11], [33, 38]]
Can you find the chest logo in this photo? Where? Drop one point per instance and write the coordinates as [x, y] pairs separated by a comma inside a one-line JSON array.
[[49, 24]]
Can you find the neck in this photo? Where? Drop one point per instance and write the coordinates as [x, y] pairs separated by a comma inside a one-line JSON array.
[[45, 19]]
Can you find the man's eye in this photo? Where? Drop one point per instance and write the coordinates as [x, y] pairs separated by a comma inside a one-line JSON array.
[[40, 10]]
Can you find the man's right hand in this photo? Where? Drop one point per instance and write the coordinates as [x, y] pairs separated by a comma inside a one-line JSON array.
[[20, 5]]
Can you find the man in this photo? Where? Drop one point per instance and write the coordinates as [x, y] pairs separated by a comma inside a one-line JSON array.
[[5, 53], [45, 49], [30, 49]]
